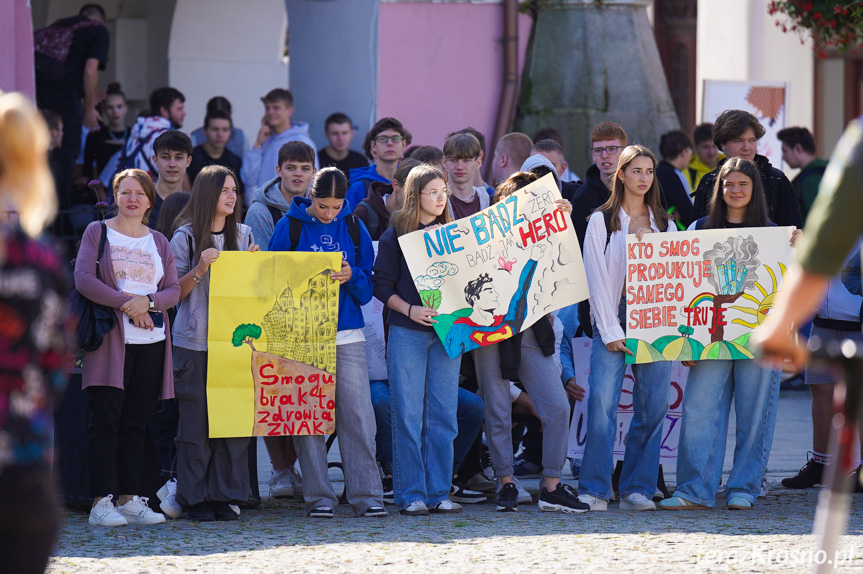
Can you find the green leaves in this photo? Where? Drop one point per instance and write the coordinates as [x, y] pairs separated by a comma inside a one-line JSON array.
[[245, 332], [431, 298]]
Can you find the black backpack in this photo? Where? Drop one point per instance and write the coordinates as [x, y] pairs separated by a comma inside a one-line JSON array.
[[374, 219]]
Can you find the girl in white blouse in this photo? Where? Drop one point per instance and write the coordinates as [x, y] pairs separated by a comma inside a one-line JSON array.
[[634, 207]]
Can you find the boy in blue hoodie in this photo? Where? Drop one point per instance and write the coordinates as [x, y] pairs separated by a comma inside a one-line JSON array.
[[385, 145], [319, 223]]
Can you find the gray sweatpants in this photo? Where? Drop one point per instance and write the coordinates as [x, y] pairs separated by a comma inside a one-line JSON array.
[[214, 469], [541, 380], [355, 425]]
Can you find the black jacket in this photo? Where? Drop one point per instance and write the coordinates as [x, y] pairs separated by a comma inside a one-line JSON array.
[[674, 192], [586, 199], [782, 205]]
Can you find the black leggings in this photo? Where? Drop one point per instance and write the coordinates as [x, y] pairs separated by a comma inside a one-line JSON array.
[[28, 518], [118, 422]]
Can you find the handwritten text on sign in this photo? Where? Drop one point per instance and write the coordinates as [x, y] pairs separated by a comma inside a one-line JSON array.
[[698, 295], [494, 274]]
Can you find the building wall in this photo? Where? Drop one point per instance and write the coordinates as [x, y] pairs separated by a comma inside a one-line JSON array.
[[16, 47], [441, 66], [212, 52], [738, 40]]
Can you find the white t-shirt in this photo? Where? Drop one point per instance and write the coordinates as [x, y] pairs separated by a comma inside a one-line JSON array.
[[350, 336], [137, 270]]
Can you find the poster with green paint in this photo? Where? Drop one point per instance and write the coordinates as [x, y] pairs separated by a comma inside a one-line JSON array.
[[699, 295]]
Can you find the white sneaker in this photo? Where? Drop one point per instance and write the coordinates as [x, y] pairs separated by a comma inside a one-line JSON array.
[[446, 506], [636, 501], [168, 497], [765, 487], [235, 508], [415, 508], [105, 514], [596, 504], [281, 485], [136, 511], [296, 481]]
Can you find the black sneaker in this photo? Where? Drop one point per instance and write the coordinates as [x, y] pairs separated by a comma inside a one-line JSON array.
[[463, 495], [561, 498], [387, 484], [809, 475], [506, 499], [222, 511], [858, 485], [201, 512], [321, 512]]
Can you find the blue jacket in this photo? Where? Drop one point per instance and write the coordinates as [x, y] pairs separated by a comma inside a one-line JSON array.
[[359, 188], [333, 236]]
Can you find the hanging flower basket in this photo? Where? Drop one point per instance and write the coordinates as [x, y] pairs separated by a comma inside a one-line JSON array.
[[831, 23]]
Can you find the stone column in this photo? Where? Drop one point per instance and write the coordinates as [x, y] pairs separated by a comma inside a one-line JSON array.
[[591, 61]]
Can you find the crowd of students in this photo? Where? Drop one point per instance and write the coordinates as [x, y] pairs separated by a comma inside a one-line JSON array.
[[195, 190]]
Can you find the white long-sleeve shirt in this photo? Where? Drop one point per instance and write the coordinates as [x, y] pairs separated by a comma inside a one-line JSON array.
[[606, 271]]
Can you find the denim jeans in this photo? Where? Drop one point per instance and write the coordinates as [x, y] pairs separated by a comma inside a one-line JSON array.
[[470, 413], [710, 388], [423, 399], [356, 431], [650, 403]]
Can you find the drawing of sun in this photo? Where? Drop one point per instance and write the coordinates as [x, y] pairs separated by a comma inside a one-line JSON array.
[[765, 305]]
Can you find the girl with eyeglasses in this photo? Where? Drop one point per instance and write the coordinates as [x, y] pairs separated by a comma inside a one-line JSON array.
[[738, 201], [423, 379], [634, 207], [324, 220]]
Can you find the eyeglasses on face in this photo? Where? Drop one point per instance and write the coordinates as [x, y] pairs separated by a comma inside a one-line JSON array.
[[445, 192], [385, 139], [610, 150]]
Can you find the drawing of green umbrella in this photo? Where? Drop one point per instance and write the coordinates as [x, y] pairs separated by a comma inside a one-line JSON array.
[[678, 348], [644, 352], [725, 350]]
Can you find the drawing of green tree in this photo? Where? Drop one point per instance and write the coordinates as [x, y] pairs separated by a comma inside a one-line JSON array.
[[246, 333]]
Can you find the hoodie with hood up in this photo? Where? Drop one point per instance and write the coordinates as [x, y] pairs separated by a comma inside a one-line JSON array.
[[537, 160], [259, 216], [333, 236], [259, 165], [360, 176], [146, 129]]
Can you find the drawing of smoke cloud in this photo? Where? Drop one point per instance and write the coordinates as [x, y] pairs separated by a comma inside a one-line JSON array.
[[734, 264], [429, 284]]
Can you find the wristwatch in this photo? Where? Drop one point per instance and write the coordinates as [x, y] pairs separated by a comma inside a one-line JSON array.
[[152, 302]]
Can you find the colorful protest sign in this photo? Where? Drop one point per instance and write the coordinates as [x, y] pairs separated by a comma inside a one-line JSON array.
[[498, 272], [698, 295], [271, 365], [578, 427]]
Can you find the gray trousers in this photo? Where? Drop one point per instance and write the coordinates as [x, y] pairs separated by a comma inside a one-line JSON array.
[[541, 380], [355, 425], [214, 469]]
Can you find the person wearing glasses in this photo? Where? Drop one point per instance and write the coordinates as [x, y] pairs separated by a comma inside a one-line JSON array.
[[607, 140], [462, 160], [423, 379], [277, 129], [385, 145]]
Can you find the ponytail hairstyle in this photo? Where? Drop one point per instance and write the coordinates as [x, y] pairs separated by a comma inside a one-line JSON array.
[[756, 212], [407, 219], [26, 184], [201, 210], [651, 198], [329, 182]]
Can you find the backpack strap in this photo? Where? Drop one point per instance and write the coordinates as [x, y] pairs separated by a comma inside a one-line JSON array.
[[606, 215], [374, 218], [103, 238], [295, 228], [275, 213], [354, 231]]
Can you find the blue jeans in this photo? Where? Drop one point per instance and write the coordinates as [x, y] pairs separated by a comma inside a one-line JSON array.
[[423, 399], [470, 413], [650, 403], [710, 388]]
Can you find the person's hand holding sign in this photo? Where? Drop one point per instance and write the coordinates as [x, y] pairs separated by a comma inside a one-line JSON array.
[[422, 315]]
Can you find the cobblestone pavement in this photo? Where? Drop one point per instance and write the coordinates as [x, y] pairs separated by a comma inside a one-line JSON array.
[[774, 537]]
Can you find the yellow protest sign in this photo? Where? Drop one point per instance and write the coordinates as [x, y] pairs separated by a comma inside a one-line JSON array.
[[271, 367]]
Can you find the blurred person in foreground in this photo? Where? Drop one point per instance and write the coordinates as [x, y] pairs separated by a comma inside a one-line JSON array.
[[32, 346]]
